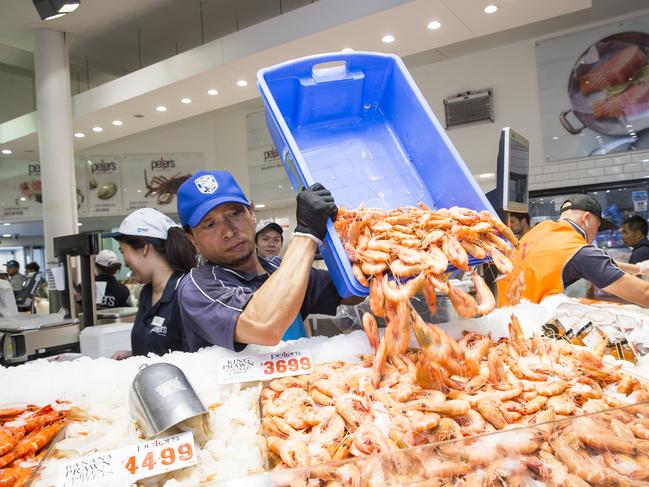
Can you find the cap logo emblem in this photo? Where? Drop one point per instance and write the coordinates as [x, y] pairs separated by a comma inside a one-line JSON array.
[[206, 184]]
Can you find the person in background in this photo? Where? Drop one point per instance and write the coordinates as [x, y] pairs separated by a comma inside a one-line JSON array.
[[116, 294], [18, 281], [8, 307], [238, 298], [268, 239], [519, 223], [159, 254], [555, 254], [634, 234], [32, 268]]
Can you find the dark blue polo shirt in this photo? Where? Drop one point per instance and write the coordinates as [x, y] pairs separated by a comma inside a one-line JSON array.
[[212, 297], [590, 263], [158, 327], [640, 252]]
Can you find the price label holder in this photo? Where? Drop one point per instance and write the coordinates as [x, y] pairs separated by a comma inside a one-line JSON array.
[[264, 367], [124, 466]]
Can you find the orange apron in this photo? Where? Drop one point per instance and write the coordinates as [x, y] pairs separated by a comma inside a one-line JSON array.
[[542, 255]]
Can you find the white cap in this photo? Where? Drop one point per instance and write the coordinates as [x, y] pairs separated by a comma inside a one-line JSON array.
[[145, 222], [264, 224], [106, 258]]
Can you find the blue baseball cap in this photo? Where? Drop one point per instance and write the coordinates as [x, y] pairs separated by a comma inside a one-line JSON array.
[[203, 192]]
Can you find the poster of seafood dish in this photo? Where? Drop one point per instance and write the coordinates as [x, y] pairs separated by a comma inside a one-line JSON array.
[[20, 190], [594, 90], [104, 185], [152, 180]]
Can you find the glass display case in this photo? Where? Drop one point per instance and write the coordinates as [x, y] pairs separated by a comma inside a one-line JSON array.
[[618, 201], [605, 447]]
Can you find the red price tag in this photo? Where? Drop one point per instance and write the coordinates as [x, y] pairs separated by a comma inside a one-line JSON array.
[[124, 466], [264, 367]]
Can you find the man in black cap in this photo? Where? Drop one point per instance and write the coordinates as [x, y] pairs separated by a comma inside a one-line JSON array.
[[18, 281], [555, 254]]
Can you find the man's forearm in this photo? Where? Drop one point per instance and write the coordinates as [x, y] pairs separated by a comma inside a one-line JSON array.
[[632, 269], [631, 289], [275, 305]]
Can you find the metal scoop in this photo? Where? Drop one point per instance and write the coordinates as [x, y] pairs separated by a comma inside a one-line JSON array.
[[161, 397]]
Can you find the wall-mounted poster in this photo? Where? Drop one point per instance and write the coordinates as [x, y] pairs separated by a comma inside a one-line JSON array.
[[104, 185], [594, 90], [152, 180], [20, 190], [80, 174], [268, 179]]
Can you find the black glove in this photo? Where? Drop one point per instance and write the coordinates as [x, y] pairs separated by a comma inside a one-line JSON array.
[[314, 206]]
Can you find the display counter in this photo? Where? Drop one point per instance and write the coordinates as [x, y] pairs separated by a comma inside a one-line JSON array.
[[247, 437]]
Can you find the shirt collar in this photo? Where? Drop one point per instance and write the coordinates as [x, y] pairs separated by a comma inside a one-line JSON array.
[[577, 227], [642, 242], [171, 286], [269, 265]]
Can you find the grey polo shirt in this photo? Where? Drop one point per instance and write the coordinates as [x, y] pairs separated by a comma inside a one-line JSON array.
[[590, 263], [212, 297]]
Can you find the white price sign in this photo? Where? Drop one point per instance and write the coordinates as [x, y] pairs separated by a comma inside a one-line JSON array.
[[264, 367], [124, 466]]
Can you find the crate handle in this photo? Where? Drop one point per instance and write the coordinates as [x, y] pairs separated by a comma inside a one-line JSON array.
[[329, 71]]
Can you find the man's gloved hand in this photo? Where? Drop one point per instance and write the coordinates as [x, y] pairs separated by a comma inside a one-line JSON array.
[[314, 206], [643, 267]]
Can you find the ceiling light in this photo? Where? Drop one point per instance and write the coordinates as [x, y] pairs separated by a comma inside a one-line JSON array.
[[6, 235], [97, 129], [117, 123], [434, 25], [629, 126], [347, 49], [161, 108], [79, 224], [53, 9], [260, 206], [79, 135], [491, 9], [242, 83], [487, 175], [212, 92], [6, 151], [555, 138], [6, 224], [643, 160], [388, 39], [22, 198], [186, 100]]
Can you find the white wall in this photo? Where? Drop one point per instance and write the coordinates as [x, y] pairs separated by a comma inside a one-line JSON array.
[[16, 92], [219, 135], [511, 72]]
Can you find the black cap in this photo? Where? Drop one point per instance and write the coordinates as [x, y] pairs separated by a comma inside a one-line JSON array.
[[591, 205], [12, 263]]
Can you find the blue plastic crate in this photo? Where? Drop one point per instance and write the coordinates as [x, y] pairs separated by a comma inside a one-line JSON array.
[[358, 124]]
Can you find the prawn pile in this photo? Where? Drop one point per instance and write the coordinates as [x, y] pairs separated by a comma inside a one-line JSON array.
[[403, 252], [25, 432], [516, 388]]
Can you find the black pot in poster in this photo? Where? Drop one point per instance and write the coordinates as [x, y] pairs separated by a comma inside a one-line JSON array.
[[599, 99]]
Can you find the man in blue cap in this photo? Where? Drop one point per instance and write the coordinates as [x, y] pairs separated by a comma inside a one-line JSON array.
[[237, 297]]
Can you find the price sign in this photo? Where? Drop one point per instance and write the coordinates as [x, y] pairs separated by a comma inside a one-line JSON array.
[[124, 466], [264, 367]]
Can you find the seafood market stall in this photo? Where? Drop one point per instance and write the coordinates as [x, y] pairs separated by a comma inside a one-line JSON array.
[[544, 405]]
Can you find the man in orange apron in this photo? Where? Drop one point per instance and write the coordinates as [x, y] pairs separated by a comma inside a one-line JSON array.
[[555, 254]]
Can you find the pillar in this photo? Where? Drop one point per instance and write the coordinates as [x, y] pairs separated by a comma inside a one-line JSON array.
[[55, 142]]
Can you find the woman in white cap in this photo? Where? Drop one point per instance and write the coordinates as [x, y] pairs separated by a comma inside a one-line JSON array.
[[116, 294], [159, 254]]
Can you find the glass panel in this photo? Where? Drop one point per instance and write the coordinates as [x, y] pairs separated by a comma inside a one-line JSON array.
[[601, 448]]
